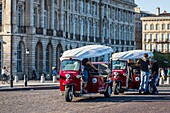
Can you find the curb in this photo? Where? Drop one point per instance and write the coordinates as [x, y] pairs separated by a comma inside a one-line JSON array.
[[32, 87]]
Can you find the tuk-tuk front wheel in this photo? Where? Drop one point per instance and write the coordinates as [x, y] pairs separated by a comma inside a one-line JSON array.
[[108, 92], [116, 88], [68, 93]]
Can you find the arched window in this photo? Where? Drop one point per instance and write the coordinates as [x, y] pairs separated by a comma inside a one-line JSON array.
[[19, 57]]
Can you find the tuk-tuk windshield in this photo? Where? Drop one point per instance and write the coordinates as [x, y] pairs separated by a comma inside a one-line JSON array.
[[119, 64], [70, 65]]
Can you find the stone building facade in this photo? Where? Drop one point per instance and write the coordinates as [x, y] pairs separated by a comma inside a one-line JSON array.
[[138, 26], [156, 32], [49, 27]]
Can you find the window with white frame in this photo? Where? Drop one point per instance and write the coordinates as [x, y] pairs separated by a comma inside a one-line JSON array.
[[75, 5], [45, 19], [157, 26], [157, 37], [151, 27], [89, 8], [82, 26], [146, 26], [151, 37], [147, 47], [35, 17], [146, 37], [115, 32], [90, 27], [20, 16], [55, 20], [163, 47], [75, 25], [70, 24], [168, 36], [157, 47], [115, 15], [163, 26], [163, 37], [168, 26], [19, 57], [95, 9], [105, 30], [95, 29]]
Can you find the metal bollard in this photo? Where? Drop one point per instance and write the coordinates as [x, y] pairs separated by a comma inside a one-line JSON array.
[[42, 79], [161, 81], [16, 79], [54, 78], [168, 81]]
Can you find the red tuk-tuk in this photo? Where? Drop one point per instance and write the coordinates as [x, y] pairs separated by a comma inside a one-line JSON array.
[[123, 78], [71, 74]]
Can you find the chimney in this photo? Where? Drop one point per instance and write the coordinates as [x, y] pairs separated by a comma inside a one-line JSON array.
[[164, 11], [157, 11]]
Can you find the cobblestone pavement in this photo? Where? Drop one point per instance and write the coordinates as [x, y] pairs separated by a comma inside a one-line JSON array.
[[49, 101]]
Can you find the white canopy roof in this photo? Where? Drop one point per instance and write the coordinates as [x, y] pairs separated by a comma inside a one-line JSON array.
[[132, 54], [88, 51]]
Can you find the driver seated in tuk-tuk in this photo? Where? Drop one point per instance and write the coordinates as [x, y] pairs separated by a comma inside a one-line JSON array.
[[87, 65], [129, 69]]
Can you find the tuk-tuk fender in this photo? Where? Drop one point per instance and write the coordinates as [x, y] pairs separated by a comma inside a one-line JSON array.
[[68, 82]]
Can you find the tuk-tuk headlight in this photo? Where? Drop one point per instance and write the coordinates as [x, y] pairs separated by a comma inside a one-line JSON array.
[[125, 74], [67, 76], [116, 73], [78, 76]]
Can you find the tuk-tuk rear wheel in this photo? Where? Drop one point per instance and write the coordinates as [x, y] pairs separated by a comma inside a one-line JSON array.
[[116, 88], [68, 93], [108, 92]]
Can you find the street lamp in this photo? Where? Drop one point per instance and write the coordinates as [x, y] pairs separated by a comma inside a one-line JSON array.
[[26, 77]]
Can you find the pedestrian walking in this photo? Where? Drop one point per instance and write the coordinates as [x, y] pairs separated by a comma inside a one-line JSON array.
[[144, 67], [154, 68], [4, 73], [34, 74]]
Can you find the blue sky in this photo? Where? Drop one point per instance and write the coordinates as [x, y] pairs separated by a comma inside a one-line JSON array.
[[150, 5]]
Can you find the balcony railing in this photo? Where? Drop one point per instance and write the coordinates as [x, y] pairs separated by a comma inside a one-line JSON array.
[[117, 42], [112, 41], [84, 38], [60, 33], [106, 40], [39, 31], [122, 42], [49, 32], [66, 35], [71, 36], [77, 37], [132, 42], [91, 39], [98, 40], [21, 29]]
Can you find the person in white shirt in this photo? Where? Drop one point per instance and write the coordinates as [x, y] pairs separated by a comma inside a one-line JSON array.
[[4, 72]]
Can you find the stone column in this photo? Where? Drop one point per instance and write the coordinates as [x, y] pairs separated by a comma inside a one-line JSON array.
[[14, 16], [29, 16], [52, 15], [61, 16], [42, 13]]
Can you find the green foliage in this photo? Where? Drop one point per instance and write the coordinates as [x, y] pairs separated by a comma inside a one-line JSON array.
[[163, 59]]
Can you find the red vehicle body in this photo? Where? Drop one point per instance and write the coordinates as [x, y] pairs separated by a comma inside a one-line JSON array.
[[71, 82], [124, 81]]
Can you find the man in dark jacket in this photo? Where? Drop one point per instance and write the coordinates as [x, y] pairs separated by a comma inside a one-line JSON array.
[[144, 67], [154, 75]]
